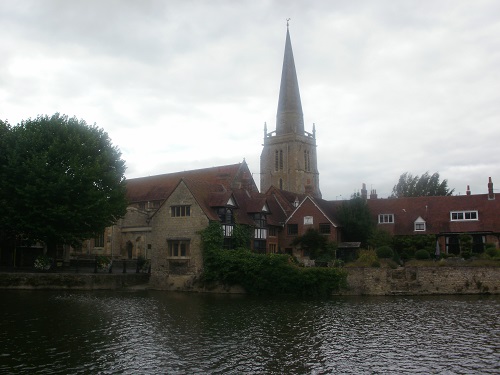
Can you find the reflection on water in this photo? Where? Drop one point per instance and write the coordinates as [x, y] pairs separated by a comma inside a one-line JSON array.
[[157, 332]]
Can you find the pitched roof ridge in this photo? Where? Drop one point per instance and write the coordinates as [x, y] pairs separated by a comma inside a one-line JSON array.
[[189, 171]]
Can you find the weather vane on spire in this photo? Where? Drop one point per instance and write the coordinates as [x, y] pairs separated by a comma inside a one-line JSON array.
[[288, 19]]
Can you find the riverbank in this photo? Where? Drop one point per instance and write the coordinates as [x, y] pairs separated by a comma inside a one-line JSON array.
[[73, 281], [423, 281], [361, 281]]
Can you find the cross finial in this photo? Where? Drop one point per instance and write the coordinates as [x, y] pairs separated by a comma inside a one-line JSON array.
[[288, 19]]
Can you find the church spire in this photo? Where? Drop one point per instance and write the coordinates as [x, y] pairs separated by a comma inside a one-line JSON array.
[[289, 118], [288, 160]]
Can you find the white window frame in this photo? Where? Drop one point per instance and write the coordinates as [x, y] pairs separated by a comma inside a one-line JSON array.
[[308, 220], [420, 226], [466, 215], [260, 233], [386, 218]]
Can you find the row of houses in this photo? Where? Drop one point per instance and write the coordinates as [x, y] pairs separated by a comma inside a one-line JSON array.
[[167, 213]]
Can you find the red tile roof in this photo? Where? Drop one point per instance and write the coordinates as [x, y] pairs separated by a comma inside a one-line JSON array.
[[436, 213], [159, 187]]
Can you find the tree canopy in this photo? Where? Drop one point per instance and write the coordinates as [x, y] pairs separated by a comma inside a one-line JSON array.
[[316, 244], [420, 186], [356, 220], [61, 180]]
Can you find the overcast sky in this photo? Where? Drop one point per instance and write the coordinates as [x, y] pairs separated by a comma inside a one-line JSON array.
[[392, 86]]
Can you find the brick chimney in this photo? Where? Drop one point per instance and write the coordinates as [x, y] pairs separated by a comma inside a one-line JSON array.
[[373, 194], [491, 195], [468, 190], [364, 192]]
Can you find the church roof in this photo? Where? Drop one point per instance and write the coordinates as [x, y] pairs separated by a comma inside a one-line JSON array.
[[159, 187], [289, 118]]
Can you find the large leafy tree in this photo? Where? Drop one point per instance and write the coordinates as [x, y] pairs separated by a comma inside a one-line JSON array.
[[420, 186], [317, 244], [61, 180], [356, 220]]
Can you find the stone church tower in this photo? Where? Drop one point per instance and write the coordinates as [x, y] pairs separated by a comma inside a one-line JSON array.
[[288, 160]]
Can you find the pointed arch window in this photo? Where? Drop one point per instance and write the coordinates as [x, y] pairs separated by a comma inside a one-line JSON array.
[[276, 160], [281, 184], [281, 160], [307, 161]]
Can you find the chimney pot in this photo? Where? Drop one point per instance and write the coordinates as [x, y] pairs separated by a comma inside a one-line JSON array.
[[491, 195]]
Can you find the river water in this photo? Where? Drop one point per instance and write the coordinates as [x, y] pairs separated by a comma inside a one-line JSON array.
[[152, 332]]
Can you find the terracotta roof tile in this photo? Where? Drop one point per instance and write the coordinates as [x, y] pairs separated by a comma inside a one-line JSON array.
[[159, 187], [436, 213]]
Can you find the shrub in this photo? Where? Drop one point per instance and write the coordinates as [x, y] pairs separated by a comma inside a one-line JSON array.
[[385, 252], [264, 274], [379, 238], [43, 263], [422, 254], [269, 274], [366, 258], [103, 262], [492, 252]]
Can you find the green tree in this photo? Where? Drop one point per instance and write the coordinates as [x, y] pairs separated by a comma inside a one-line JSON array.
[[465, 245], [356, 221], [62, 181], [4, 198], [380, 237], [316, 244], [420, 186]]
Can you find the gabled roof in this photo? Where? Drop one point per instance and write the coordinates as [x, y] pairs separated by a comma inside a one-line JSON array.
[[326, 209], [159, 187], [286, 199], [248, 203], [436, 213], [221, 199]]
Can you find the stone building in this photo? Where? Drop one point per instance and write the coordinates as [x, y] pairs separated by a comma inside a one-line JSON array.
[[288, 159]]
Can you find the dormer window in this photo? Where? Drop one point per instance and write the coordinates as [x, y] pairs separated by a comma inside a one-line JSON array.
[[225, 215], [296, 202], [231, 202], [464, 215], [419, 225], [386, 218]]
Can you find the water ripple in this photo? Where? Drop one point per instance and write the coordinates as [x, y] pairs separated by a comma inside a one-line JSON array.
[[155, 332]]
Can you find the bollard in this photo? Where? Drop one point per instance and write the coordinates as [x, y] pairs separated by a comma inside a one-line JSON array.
[[124, 266], [111, 266]]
